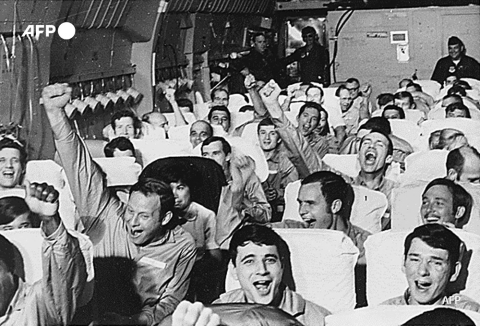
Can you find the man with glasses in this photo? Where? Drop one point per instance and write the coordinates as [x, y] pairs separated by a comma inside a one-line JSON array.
[[312, 58]]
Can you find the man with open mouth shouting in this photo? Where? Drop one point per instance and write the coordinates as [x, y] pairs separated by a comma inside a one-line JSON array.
[[259, 255], [431, 261]]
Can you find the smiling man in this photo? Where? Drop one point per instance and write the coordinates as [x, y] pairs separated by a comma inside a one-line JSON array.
[[456, 63], [13, 160], [431, 261], [446, 202], [259, 256], [140, 238]]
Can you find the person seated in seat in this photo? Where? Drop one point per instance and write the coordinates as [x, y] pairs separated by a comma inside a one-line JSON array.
[[445, 202], [155, 125], [406, 101], [457, 110], [52, 300], [220, 115], [259, 256], [13, 161], [432, 255]]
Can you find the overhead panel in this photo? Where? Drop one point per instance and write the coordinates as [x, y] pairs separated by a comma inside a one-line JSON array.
[[258, 7]]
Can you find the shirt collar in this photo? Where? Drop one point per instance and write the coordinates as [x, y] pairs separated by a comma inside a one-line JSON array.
[[359, 181]]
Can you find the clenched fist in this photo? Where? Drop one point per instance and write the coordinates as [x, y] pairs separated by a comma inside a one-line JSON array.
[[42, 199], [56, 96]]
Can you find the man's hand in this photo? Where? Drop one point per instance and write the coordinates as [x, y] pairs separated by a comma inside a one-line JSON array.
[[56, 96], [42, 199], [170, 95], [366, 90], [292, 90], [194, 314], [270, 93]]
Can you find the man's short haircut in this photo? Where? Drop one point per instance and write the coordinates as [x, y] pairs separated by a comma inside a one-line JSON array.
[[15, 144], [456, 158], [458, 106], [216, 90], [221, 108], [458, 98], [333, 187], [408, 80], [257, 34], [7, 254], [12, 206], [385, 98], [400, 111], [436, 236], [150, 186], [456, 89], [379, 131], [311, 105], [125, 113], [310, 86], [265, 122], [380, 124], [185, 103], [227, 149], [339, 89], [120, 143], [417, 87], [260, 235], [460, 198], [404, 94], [453, 40], [308, 30], [352, 80]]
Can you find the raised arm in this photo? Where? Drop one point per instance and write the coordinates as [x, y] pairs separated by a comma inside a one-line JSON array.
[[179, 118], [86, 180], [64, 269], [251, 86]]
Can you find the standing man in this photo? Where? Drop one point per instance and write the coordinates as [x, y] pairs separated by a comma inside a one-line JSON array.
[[456, 63], [141, 236], [312, 58], [260, 62]]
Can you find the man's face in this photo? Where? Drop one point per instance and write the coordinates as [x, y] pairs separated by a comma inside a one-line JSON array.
[[437, 205], [456, 114], [220, 98], [22, 221], [143, 218], [471, 169], [220, 118], [450, 80], [308, 121], [124, 127], [181, 192], [7, 287], [10, 168], [373, 153], [313, 207], [353, 88], [125, 153], [215, 152], [404, 103], [314, 94], [259, 271], [455, 51], [309, 38], [268, 138], [345, 99], [198, 133], [428, 272], [260, 43]]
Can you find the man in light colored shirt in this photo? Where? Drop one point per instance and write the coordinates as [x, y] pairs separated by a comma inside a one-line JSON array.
[[54, 299], [137, 244], [259, 256], [432, 261]]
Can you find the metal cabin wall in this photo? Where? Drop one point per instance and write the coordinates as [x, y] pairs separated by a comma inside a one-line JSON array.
[[374, 59]]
